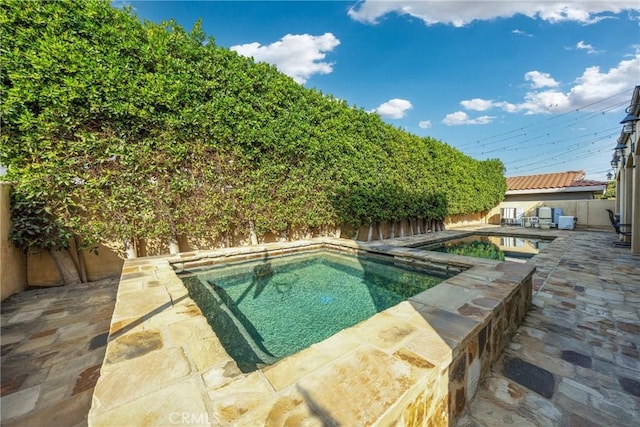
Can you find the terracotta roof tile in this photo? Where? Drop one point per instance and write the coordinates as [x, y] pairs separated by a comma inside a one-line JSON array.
[[550, 180]]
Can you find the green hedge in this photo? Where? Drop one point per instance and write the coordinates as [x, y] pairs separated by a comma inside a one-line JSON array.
[[130, 129]]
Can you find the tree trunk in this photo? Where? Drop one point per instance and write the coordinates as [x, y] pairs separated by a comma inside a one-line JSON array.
[[370, 232], [130, 250], [82, 268], [338, 231], [252, 232], [393, 230], [174, 248], [380, 236], [401, 229], [66, 266]]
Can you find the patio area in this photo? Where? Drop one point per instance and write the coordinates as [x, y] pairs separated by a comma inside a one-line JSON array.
[[575, 361]]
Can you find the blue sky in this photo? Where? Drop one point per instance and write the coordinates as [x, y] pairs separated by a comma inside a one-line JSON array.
[[540, 85]]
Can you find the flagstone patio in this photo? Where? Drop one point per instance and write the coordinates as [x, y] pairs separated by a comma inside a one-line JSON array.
[[575, 361]]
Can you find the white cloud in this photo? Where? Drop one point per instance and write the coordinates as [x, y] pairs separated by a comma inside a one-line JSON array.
[[540, 80], [477, 104], [394, 108], [521, 33], [424, 124], [461, 118], [581, 45], [297, 55], [457, 14], [588, 89], [594, 85]]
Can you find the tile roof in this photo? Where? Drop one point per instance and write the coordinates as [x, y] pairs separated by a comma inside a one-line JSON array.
[[550, 180]]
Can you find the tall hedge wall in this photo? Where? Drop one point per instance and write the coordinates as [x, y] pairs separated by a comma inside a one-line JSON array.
[[128, 129]]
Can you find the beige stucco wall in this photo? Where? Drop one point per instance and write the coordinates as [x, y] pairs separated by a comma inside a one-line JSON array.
[[42, 270], [12, 261], [590, 213]]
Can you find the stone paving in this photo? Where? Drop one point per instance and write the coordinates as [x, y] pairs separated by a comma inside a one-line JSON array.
[[53, 344], [575, 360]]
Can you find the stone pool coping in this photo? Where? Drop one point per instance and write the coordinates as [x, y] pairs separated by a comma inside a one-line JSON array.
[[419, 360]]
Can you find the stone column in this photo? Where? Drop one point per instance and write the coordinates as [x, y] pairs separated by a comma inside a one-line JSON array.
[[635, 217]]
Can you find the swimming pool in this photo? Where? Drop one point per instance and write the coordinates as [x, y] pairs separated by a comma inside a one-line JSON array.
[[498, 247], [268, 309], [163, 357]]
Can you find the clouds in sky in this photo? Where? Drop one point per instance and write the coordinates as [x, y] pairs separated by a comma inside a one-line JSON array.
[[424, 124], [451, 12], [461, 118], [581, 45], [521, 33], [540, 80], [394, 108], [592, 86], [297, 55]]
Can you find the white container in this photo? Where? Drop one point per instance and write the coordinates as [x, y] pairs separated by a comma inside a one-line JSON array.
[[545, 218], [566, 222], [544, 213]]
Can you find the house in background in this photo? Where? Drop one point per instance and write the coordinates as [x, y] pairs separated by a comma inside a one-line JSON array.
[[553, 186], [567, 193]]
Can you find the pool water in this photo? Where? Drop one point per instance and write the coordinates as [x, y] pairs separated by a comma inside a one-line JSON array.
[[265, 310], [502, 248]]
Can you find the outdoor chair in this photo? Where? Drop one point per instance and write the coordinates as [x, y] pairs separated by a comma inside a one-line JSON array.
[[621, 229]]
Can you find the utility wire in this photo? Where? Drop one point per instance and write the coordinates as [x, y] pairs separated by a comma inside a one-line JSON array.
[[542, 122]]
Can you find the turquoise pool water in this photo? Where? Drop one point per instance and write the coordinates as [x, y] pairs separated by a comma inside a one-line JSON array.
[[265, 310]]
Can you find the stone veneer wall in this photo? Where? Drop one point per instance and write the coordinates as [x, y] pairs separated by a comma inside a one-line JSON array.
[[456, 386], [417, 363]]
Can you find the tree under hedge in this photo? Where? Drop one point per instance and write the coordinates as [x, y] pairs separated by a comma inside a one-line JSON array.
[[128, 129]]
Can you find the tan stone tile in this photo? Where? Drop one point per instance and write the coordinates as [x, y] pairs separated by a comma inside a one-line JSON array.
[[221, 374], [288, 410], [124, 381], [451, 326], [130, 285], [208, 352], [177, 404], [413, 359], [164, 318], [359, 388], [404, 310], [431, 347], [241, 397], [190, 330], [122, 326], [448, 297], [177, 292], [384, 331], [132, 345], [290, 369], [141, 304]]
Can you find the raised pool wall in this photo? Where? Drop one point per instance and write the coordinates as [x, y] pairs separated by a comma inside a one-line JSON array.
[[417, 363]]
